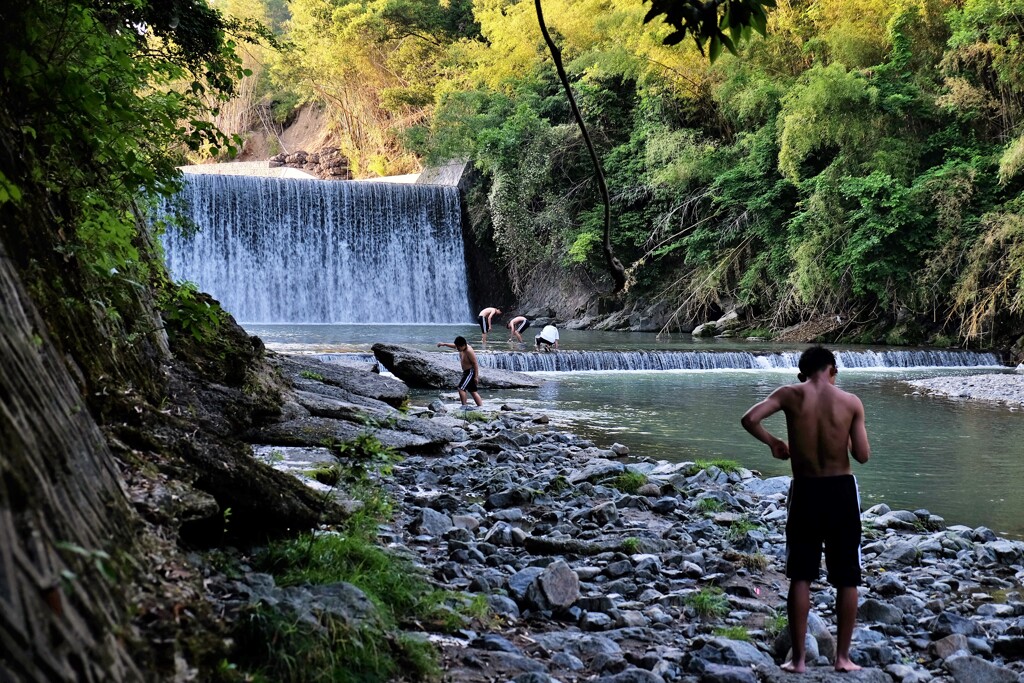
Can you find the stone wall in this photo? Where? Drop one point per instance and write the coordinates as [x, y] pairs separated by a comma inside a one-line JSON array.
[[328, 163], [64, 516]]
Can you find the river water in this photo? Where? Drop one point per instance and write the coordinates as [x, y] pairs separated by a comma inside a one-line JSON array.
[[963, 461]]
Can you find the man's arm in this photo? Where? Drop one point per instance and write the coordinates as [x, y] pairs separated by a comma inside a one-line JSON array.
[[448, 344], [751, 421], [476, 366], [860, 449]]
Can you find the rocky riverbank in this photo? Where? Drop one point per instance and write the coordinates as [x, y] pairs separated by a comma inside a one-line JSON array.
[[997, 388], [598, 566]]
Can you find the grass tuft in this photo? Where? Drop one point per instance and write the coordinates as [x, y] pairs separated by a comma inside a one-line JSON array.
[[727, 466], [708, 603], [308, 374], [629, 481], [710, 505], [732, 633]]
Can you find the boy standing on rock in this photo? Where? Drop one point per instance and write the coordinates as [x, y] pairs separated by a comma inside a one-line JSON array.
[[825, 425], [470, 369]]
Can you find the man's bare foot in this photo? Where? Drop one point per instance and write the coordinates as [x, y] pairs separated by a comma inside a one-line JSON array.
[[844, 665], [794, 667]]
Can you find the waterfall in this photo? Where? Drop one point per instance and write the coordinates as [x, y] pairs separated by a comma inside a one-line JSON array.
[[581, 361], [309, 251]]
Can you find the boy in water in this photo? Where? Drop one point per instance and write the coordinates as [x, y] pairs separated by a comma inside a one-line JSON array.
[[516, 327], [470, 369], [824, 425], [484, 319]]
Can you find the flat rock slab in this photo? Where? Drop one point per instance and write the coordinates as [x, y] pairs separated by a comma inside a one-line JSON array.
[[353, 380], [426, 370], [315, 431], [822, 674]]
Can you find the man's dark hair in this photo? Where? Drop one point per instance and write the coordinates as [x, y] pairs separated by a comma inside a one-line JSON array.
[[460, 342], [814, 360]]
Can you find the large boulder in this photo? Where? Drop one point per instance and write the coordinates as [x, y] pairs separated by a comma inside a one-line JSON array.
[[351, 380], [426, 370]]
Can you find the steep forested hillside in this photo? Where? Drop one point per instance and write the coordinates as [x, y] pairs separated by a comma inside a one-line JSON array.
[[862, 159]]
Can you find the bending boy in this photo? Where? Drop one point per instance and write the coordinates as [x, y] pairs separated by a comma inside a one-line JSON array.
[[470, 369], [823, 423], [516, 327], [484, 318]]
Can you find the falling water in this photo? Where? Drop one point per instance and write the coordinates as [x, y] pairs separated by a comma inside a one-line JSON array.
[[308, 251], [580, 361]]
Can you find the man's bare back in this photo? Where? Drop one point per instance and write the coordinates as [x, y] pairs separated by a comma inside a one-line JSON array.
[[823, 424]]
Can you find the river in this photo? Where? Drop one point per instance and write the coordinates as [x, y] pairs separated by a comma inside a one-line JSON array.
[[963, 461]]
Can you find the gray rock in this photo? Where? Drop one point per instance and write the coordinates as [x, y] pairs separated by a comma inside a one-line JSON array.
[[950, 645], [597, 469], [872, 610], [560, 585], [503, 606], [948, 623], [900, 553], [971, 669], [430, 523], [908, 674], [534, 677], [872, 654], [768, 487], [521, 581], [585, 646], [564, 660], [620, 449], [732, 653], [605, 513], [718, 673], [495, 643], [427, 370], [596, 621], [633, 676], [314, 431], [774, 674], [320, 405], [664, 506], [437, 406], [888, 585], [352, 380]]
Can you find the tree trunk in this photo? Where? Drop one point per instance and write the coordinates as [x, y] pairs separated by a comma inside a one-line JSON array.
[[615, 268]]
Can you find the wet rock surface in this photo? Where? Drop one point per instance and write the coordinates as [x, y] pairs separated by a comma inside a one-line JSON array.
[[591, 578]]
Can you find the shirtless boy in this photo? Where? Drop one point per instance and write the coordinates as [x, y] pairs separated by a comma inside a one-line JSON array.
[[824, 425], [470, 369], [484, 318], [516, 326]]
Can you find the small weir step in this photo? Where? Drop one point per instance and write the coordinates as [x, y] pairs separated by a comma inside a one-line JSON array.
[[581, 361]]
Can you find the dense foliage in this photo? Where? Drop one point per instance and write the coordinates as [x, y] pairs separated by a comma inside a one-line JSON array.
[[863, 158]]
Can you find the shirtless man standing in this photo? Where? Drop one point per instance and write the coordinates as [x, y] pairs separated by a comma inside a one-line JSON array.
[[470, 369], [484, 318], [824, 425]]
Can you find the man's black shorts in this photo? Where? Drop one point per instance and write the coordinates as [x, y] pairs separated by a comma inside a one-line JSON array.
[[824, 511], [468, 381]]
